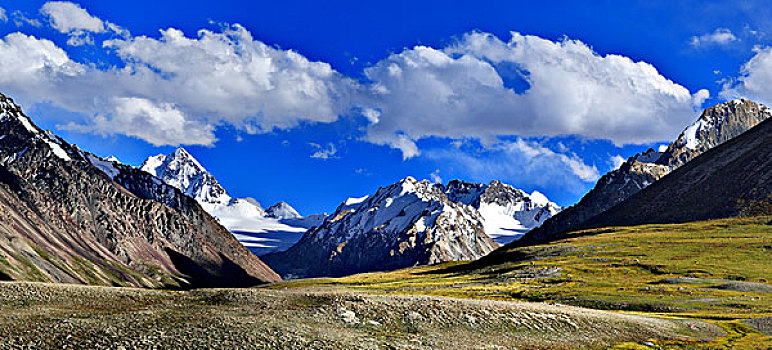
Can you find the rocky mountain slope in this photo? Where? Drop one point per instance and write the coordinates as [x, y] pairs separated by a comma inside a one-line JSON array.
[[732, 179], [69, 216], [507, 212], [715, 126], [260, 230], [413, 223]]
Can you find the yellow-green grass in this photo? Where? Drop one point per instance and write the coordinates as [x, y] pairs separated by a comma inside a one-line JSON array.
[[620, 268]]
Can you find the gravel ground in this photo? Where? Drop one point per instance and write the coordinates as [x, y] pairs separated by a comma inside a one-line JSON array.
[[55, 316]]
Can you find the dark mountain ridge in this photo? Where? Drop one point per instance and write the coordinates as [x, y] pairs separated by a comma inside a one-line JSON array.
[[69, 216]]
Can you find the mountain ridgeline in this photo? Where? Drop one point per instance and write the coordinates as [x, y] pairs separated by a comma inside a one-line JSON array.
[[260, 230], [412, 223], [715, 126], [730, 180], [69, 216]]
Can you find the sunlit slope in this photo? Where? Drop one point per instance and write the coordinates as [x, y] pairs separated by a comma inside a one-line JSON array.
[[711, 268]]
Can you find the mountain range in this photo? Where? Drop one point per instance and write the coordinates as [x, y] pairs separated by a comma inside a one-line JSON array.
[[69, 216], [260, 230], [412, 223], [715, 126]]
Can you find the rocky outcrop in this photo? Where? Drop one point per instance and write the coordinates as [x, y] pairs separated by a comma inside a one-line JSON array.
[[715, 126], [732, 179], [408, 223], [507, 212], [69, 216]]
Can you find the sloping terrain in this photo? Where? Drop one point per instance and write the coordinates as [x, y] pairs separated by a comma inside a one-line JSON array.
[[717, 271], [69, 216], [413, 223], [60, 316], [732, 179], [408, 223], [261, 230], [715, 126]]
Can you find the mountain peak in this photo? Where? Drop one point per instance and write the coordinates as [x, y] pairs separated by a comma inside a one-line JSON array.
[[282, 210], [181, 170]]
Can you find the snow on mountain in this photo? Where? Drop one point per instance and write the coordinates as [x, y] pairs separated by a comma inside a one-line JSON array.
[[410, 222], [260, 230], [507, 212], [282, 210], [715, 126], [181, 170]]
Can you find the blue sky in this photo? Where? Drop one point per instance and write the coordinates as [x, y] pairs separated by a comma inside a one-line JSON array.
[[313, 102]]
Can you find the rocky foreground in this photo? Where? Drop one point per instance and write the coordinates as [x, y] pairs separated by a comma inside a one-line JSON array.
[[42, 316]]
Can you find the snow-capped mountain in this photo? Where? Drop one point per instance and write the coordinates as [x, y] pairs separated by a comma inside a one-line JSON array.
[[261, 230], [181, 170], [411, 223], [70, 216], [507, 212], [715, 126], [282, 210]]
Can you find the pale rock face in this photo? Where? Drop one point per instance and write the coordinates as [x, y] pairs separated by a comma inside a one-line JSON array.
[[715, 126]]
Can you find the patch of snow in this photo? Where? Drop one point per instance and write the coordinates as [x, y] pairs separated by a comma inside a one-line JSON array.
[[58, 151], [355, 200], [690, 134], [105, 166]]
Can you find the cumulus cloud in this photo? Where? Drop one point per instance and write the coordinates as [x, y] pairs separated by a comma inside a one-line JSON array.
[[69, 18], [156, 123], [527, 163], [721, 36], [196, 83], [461, 91], [324, 152], [754, 80], [616, 161], [480, 88], [3, 16]]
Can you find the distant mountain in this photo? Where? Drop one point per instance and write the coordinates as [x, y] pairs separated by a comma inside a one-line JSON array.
[[408, 223], [282, 210], [413, 223], [69, 216], [715, 126], [732, 179], [260, 230], [507, 212]]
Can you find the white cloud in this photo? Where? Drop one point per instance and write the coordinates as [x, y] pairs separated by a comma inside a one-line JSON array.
[[526, 163], [226, 77], [720, 36], [459, 92], [435, 176], [71, 19], [754, 80], [20, 19], [156, 123], [324, 152], [213, 79], [67, 17], [616, 161], [3, 16]]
